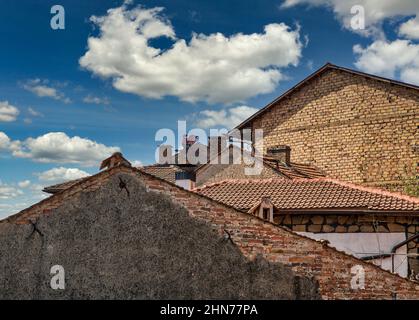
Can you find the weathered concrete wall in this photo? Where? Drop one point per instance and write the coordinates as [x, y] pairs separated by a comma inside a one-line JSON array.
[[138, 246]]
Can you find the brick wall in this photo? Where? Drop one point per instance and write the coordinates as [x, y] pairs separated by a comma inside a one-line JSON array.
[[355, 128], [310, 258], [331, 268]]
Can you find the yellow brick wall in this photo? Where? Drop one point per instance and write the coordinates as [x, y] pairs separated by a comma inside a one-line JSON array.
[[355, 128]]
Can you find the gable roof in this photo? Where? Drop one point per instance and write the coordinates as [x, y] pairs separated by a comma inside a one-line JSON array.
[[327, 66], [62, 186], [290, 171], [165, 172], [95, 181], [168, 173], [308, 195]]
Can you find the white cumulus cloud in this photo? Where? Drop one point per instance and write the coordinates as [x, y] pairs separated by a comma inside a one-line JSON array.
[[390, 59], [8, 113], [61, 174], [58, 147], [213, 68], [4, 141], [228, 118], [41, 88], [410, 29], [376, 11], [24, 184], [8, 191], [136, 163], [394, 59]]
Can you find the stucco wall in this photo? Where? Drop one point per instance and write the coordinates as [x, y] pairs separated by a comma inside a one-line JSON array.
[[137, 246]]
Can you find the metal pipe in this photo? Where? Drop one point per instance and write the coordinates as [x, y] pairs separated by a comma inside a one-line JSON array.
[[401, 244], [376, 256]]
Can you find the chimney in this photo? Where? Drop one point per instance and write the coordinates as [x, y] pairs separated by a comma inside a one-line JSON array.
[[280, 153], [216, 144], [182, 155], [188, 141], [114, 160]]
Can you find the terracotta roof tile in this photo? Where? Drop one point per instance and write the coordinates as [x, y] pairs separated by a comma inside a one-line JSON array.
[[165, 172], [306, 194], [62, 186]]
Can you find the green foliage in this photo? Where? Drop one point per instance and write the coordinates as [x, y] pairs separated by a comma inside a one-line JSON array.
[[411, 186]]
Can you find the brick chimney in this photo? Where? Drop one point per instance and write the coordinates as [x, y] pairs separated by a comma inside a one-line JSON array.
[[114, 160], [280, 153]]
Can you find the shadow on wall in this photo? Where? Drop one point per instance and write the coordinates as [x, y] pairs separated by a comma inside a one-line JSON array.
[[114, 244]]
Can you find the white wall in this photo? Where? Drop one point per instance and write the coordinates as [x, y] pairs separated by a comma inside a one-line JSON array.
[[185, 184], [368, 244]]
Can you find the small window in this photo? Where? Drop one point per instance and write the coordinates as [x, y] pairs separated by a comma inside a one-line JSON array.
[[266, 213]]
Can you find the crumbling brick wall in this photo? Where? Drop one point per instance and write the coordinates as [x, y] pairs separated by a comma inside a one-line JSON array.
[[331, 268], [117, 243], [255, 237], [354, 128]]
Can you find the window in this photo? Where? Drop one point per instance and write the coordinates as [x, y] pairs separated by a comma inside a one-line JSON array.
[[266, 213]]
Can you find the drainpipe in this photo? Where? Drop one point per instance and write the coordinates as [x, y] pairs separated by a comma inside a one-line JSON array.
[[376, 256], [393, 251], [401, 244]]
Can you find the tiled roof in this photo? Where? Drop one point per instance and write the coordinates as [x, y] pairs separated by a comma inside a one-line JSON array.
[[165, 172], [62, 186], [290, 171], [307, 194]]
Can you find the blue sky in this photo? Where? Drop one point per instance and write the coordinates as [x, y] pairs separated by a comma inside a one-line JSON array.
[[66, 103]]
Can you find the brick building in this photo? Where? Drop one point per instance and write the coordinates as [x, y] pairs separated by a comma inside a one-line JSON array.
[[366, 222], [224, 166], [124, 233], [354, 126], [369, 223]]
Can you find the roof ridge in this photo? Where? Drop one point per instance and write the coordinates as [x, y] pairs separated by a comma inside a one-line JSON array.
[[136, 169], [313, 75], [334, 249], [378, 191], [259, 181]]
